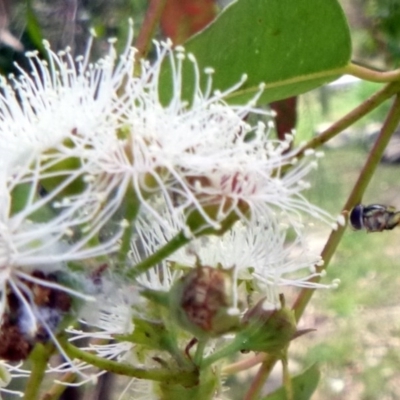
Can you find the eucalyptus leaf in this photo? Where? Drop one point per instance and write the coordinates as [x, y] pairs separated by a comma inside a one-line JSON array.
[[303, 385], [292, 46]]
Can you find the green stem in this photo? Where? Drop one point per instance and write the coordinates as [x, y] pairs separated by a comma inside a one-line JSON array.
[[173, 245], [198, 357], [287, 379], [171, 376], [149, 25], [372, 75], [353, 116], [38, 358], [226, 351]]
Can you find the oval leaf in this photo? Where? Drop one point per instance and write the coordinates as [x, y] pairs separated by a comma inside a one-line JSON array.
[[291, 45], [303, 385]]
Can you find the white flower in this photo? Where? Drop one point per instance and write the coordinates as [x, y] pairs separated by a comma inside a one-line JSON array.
[[109, 130], [40, 113], [197, 152], [259, 253], [37, 242], [110, 314], [55, 101], [43, 111]]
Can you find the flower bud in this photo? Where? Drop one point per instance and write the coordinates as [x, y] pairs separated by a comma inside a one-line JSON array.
[[267, 330], [201, 302]]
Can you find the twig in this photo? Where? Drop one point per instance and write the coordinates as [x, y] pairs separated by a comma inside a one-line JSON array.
[[350, 118], [149, 26], [39, 357]]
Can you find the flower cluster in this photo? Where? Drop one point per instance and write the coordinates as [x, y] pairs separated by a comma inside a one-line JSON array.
[[112, 190]]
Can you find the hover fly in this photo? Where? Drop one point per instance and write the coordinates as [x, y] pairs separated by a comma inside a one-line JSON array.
[[374, 218]]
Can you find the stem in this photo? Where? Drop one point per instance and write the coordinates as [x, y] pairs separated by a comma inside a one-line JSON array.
[[153, 15], [174, 244], [186, 378], [132, 210], [287, 379], [201, 344], [372, 75], [258, 382], [39, 357], [243, 365], [353, 116], [226, 351]]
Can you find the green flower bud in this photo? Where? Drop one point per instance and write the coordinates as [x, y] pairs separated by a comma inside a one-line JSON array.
[[266, 330], [201, 302]]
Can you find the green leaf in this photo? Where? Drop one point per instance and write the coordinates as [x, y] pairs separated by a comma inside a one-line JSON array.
[[20, 197], [291, 45], [33, 28], [304, 385]]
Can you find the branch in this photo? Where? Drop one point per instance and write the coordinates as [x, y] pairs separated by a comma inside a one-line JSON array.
[[39, 357], [172, 376], [149, 26], [173, 245], [350, 118]]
